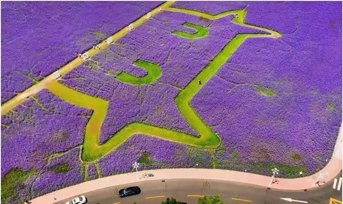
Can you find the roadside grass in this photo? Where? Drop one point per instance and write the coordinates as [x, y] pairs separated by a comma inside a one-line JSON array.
[[285, 170], [201, 31], [92, 150], [153, 73], [9, 181], [214, 159]]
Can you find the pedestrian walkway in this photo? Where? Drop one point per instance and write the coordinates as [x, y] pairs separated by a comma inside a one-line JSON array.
[[328, 173]]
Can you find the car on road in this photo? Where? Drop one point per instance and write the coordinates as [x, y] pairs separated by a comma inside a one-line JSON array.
[[135, 190], [78, 200]]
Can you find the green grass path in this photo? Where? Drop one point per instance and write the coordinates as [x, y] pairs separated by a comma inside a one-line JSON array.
[[92, 150], [201, 31], [153, 73]]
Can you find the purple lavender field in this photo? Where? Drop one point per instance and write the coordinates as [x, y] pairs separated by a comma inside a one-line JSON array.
[[40, 37], [275, 103]]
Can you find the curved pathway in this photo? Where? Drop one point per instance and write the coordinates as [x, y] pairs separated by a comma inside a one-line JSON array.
[[153, 73], [201, 31], [332, 169]]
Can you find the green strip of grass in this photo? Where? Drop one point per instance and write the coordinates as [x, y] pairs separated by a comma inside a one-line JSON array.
[[92, 150], [285, 170], [201, 31], [153, 73], [9, 181], [239, 19]]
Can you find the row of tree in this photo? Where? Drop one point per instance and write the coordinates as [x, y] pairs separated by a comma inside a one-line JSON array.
[[205, 200]]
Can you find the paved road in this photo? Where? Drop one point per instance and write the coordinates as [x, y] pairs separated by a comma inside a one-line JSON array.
[[187, 190]]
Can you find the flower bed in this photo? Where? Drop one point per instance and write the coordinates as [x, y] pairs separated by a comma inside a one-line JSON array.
[[274, 103]]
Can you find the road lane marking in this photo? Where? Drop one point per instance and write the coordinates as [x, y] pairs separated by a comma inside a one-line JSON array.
[[153, 197], [238, 199], [293, 200], [334, 201], [198, 196], [334, 184], [339, 184]]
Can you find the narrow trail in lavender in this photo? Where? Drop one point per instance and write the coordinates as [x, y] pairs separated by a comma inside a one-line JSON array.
[[93, 151]]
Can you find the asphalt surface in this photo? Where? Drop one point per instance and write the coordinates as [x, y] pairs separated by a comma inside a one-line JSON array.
[[187, 190]]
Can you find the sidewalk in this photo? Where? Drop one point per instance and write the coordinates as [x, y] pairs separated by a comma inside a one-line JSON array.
[[329, 171]]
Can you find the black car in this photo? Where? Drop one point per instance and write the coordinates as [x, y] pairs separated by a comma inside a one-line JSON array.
[[135, 190]]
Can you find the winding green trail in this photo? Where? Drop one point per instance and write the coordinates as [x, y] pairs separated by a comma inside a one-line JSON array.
[[92, 150], [201, 31], [153, 73], [239, 19]]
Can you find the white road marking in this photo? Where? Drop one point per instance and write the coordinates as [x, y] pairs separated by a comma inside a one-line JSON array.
[[339, 184], [292, 200], [334, 184]]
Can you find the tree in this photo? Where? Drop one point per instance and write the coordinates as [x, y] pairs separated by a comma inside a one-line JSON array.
[[171, 201], [210, 200]]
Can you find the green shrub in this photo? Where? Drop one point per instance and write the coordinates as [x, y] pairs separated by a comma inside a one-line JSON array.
[[296, 157], [60, 168]]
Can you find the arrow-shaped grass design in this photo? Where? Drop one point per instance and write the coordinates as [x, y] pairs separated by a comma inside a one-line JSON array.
[[92, 150]]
